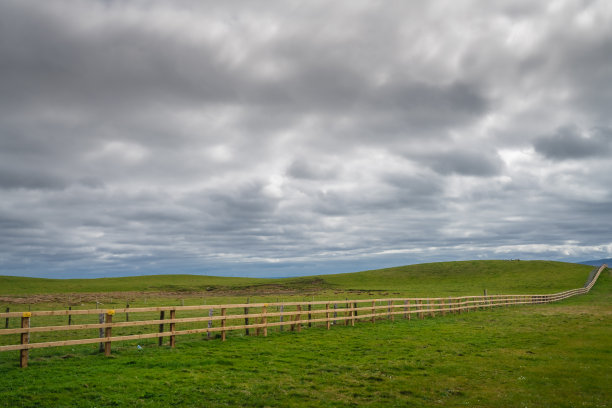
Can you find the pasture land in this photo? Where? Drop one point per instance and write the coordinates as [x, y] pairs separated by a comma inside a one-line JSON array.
[[556, 354], [422, 280]]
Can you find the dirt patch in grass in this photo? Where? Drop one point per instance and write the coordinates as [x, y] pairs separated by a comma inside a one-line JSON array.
[[303, 287]]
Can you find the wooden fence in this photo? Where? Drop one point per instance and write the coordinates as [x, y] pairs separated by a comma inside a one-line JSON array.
[[256, 316]]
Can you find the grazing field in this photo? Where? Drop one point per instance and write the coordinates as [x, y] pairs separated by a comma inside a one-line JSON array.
[[532, 356], [426, 280]]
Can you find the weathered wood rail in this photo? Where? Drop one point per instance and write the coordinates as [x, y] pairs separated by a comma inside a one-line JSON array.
[[292, 314]]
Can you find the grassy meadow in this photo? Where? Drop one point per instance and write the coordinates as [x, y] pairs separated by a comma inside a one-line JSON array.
[[426, 280], [526, 356]]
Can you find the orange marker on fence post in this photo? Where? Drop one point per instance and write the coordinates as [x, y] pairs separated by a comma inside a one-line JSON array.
[[25, 339], [108, 332]]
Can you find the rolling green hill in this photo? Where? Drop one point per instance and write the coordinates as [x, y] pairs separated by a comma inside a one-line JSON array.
[[442, 278]]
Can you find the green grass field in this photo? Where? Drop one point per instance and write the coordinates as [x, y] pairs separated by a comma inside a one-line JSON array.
[[444, 278], [527, 356]]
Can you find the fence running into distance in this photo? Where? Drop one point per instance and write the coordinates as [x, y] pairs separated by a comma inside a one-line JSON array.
[[257, 316]]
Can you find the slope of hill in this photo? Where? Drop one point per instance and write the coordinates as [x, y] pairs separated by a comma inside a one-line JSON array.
[[442, 278]]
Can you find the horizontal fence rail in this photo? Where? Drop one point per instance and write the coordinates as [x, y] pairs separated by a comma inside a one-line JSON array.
[[258, 316]]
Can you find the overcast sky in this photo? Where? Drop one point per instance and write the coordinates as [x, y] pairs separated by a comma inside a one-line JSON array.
[[282, 138]]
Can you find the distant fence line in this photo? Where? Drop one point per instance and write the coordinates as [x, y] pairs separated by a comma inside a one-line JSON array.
[[261, 316]]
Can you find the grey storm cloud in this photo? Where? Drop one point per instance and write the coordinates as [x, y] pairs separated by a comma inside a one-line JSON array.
[[228, 138], [572, 143]]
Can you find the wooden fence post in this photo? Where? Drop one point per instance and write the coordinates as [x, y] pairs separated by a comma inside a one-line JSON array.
[[485, 299], [405, 309], [281, 317], [223, 324], [420, 309], [373, 312], [160, 340], [335, 313], [309, 315], [430, 304], [101, 331], [172, 328], [25, 339], [108, 332], [391, 310], [327, 315], [69, 316], [246, 320], [299, 317], [264, 320], [347, 314], [210, 313], [127, 315], [6, 322]]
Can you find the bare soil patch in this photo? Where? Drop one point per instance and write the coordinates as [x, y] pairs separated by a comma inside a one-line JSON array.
[[309, 288]]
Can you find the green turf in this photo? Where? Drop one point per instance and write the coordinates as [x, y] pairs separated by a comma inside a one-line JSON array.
[[554, 355]]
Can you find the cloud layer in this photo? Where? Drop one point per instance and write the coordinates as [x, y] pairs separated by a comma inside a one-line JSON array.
[[290, 138]]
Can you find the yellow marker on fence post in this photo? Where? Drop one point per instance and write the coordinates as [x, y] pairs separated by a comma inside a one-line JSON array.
[[108, 332]]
